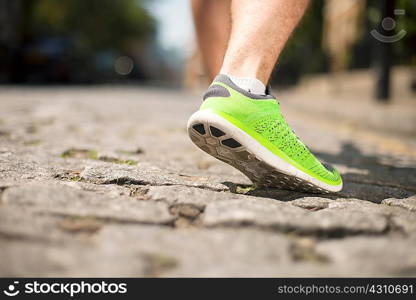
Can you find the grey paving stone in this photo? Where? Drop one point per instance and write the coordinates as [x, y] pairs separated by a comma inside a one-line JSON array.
[[66, 201], [371, 256], [334, 221], [407, 203]]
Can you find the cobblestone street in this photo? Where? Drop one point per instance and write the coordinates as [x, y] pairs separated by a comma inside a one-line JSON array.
[[103, 181]]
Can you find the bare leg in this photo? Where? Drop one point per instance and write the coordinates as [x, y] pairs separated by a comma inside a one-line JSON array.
[[260, 30], [212, 20]]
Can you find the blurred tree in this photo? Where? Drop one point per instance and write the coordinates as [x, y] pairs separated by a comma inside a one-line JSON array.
[[76, 40], [95, 24]]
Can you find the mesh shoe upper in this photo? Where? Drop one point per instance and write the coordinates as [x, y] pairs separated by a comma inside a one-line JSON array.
[[261, 114]]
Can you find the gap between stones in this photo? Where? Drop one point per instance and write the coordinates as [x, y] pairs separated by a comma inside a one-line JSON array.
[[128, 181]]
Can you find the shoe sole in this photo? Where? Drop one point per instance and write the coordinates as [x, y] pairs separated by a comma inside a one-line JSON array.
[[228, 143]]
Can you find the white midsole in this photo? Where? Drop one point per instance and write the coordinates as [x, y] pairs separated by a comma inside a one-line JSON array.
[[210, 118]]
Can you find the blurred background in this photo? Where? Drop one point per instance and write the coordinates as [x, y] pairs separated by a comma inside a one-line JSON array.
[[152, 42]]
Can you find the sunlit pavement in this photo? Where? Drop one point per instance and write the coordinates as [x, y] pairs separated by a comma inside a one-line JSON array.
[[103, 181]]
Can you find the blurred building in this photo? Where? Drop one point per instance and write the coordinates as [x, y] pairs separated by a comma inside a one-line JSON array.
[[77, 41]]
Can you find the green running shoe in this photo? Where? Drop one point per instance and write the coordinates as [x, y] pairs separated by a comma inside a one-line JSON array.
[[249, 132]]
